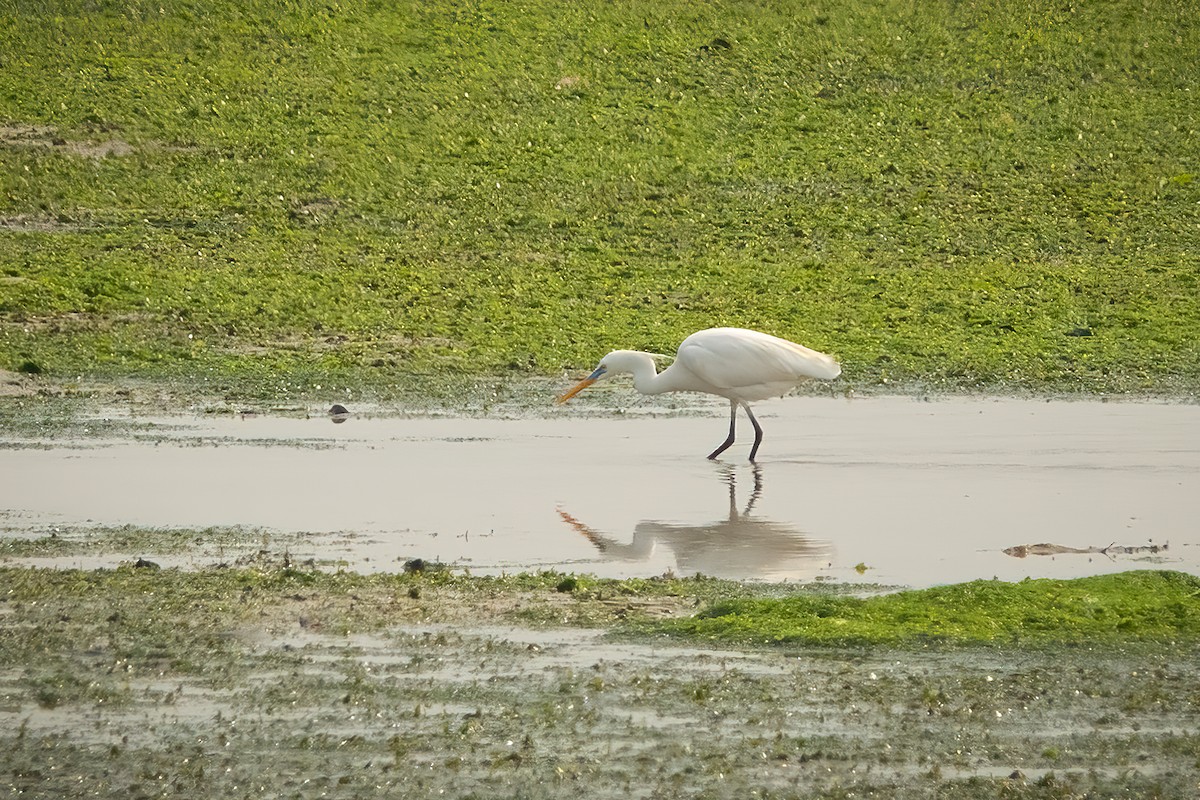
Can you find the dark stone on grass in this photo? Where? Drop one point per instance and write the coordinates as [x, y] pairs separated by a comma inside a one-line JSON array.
[[718, 43]]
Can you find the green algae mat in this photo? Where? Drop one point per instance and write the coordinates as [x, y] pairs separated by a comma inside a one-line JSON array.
[[270, 200], [1125, 607]]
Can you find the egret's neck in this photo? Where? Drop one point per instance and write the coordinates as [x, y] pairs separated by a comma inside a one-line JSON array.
[[646, 379]]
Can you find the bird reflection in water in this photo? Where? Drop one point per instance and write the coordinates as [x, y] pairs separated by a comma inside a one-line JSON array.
[[740, 547]]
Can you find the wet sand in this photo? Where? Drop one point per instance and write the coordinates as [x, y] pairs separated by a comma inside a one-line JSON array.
[[888, 490]]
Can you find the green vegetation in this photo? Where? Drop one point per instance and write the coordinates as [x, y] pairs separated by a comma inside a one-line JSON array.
[[179, 619], [1129, 606], [243, 546], [1139, 606], [254, 198], [272, 578]]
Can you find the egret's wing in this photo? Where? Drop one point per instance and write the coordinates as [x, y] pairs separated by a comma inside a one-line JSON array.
[[733, 358]]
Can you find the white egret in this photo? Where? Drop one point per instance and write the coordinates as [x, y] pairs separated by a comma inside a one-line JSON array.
[[734, 363]]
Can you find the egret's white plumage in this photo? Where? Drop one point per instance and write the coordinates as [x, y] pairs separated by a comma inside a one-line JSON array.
[[738, 364]]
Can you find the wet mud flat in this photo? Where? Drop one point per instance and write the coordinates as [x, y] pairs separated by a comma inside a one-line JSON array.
[[281, 683]]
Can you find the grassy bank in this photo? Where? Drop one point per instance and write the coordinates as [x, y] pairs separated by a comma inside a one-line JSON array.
[[1112, 610], [257, 199], [1105, 609]]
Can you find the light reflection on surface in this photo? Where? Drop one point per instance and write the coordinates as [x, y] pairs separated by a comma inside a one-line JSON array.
[[738, 547]]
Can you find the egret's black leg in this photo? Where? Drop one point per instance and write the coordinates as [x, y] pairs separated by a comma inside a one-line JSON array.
[[757, 431], [732, 426]]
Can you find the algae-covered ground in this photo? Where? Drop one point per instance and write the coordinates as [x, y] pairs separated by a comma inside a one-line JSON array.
[[257, 199], [269, 679]]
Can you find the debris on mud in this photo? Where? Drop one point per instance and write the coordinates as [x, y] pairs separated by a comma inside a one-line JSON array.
[[1045, 549]]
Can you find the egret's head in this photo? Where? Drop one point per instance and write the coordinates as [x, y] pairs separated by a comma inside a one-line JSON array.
[[596, 375], [615, 363]]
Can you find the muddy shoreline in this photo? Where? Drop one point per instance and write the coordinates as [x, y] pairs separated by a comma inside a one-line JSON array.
[[276, 684]]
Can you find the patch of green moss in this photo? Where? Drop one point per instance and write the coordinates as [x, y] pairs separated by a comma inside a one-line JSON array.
[[1129, 606]]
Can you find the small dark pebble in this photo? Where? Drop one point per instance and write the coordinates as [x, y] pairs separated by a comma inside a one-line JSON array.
[[339, 409], [1017, 775], [421, 565], [142, 563], [716, 44]]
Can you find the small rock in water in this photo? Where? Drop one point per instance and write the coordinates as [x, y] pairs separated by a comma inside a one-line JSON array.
[[421, 565], [339, 413]]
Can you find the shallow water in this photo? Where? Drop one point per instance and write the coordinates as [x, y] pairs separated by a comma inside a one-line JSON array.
[[887, 490]]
